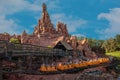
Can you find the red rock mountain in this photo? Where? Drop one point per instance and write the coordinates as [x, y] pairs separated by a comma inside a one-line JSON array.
[[46, 35]]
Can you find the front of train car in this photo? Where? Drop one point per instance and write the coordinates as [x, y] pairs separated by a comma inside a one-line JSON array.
[[71, 66]]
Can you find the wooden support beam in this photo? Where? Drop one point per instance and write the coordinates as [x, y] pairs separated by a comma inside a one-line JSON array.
[[1, 78]]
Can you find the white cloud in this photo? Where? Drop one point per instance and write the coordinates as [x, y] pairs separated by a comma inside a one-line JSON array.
[[10, 7], [114, 22], [13, 6], [72, 23], [8, 25]]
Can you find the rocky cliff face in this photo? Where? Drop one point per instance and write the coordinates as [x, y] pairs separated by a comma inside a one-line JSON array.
[[44, 33], [44, 24], [46, 27], [61, 28]]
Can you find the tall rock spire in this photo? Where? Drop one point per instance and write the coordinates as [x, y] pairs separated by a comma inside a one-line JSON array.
[[44, 8], [44, 24], [45, 16]]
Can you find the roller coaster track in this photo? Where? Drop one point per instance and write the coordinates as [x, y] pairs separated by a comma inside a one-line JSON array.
[[10, 49], [36, 72]]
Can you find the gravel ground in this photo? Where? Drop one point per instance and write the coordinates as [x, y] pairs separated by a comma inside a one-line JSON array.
[[77, 76]]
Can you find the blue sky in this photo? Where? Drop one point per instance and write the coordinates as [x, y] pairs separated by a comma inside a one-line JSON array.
[[99, 19]]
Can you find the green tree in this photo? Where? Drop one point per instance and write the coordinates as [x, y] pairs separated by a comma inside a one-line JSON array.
[[96, 45], [14, 40], [92, 42], [80, 38], [110, 45], [99, 43], [117, 38], [16, 43]]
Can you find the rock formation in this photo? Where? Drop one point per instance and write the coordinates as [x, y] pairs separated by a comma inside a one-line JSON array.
[[62, 29], [44, 24], [5, 36], [46, 35]]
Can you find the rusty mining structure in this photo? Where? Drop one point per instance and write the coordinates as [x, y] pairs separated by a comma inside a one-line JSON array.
[[48, 53]]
